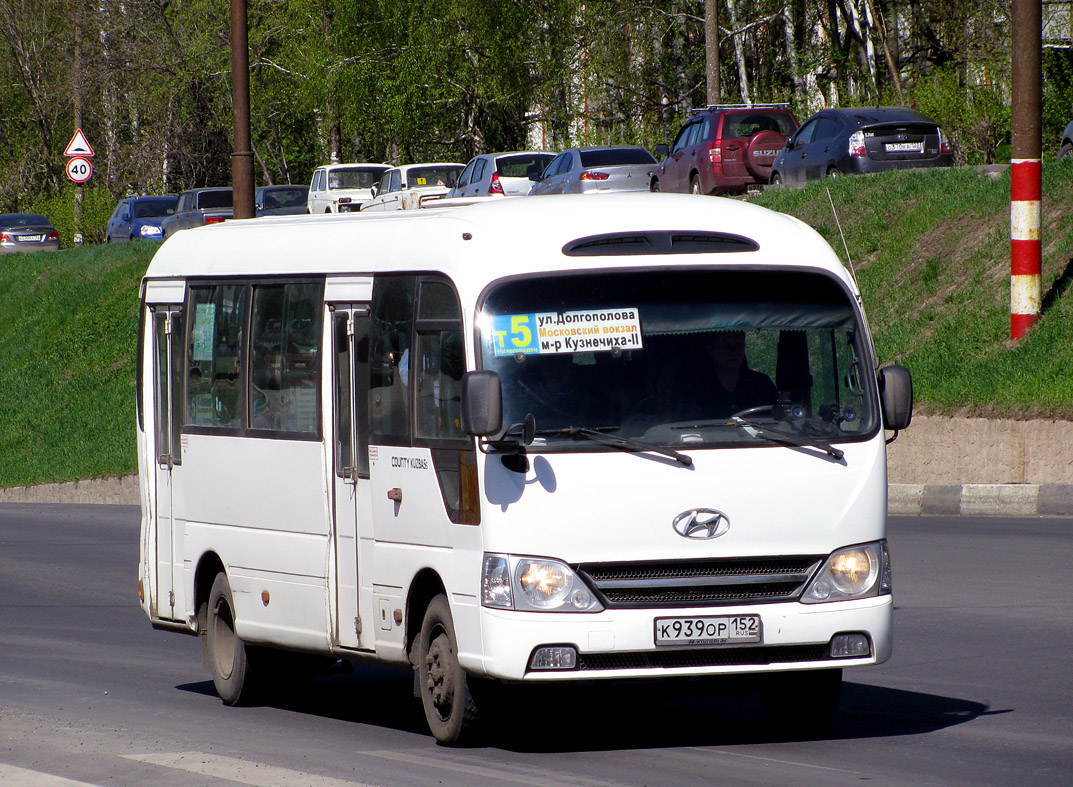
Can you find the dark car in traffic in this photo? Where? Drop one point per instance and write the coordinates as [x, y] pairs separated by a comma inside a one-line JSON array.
[[198, 207], [22, 232], [139, 218], [724, 149], [284, 200], [858, 140]]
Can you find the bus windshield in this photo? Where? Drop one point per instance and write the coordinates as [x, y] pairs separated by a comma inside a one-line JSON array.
[[681, 359]]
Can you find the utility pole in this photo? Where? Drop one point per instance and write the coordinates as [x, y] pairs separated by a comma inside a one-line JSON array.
[[711, 50], [1026, 288], [76, 78], [242, 155]]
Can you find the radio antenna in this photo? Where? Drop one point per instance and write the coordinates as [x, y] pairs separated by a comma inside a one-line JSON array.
[[849, 261], [852, 273]]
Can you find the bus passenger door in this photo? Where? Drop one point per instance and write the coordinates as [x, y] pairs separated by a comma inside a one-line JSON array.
[[167, 349], [350, 352]]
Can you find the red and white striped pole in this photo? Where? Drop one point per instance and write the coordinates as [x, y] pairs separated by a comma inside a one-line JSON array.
[[1026, 287]]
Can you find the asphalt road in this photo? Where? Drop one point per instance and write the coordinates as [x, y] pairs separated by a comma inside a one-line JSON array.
[[979, 691]]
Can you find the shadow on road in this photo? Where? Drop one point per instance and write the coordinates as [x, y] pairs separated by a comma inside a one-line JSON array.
[[617, 716]]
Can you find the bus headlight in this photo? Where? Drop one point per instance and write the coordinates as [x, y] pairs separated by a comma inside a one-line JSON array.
[[853, 572], [533, 583]]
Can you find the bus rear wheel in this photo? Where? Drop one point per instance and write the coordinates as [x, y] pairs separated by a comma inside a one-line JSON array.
[[450, 709], [227, 657]]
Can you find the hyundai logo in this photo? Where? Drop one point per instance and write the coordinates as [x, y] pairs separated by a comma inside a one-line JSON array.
[[701, 523]]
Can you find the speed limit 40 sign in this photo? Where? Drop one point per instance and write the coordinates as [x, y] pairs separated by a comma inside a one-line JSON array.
[[79, 169]]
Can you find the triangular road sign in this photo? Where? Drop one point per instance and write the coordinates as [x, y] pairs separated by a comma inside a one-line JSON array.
[[78, 146]]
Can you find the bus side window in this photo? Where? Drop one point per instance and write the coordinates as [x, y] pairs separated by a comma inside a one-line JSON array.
[[215, 369], [440, 363], [390, 364], [285, 367]]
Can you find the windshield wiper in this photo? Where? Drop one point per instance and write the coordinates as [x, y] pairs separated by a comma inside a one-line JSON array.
[[599, 436], [779, 436]]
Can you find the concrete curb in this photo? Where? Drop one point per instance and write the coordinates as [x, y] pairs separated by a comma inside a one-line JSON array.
[[980, 499], [903, 499], [118, 490]]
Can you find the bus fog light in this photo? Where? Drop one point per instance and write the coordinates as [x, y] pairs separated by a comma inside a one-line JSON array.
[[554, 657], [581, 598], [850, 646]]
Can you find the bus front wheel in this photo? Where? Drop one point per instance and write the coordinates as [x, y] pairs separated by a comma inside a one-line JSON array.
[[442, 683], [227, 653]]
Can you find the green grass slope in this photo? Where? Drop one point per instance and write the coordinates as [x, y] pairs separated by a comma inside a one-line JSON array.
[[931, 251], [68, 335]]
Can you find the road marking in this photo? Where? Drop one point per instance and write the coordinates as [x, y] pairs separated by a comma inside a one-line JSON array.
[[10, 776], [251, 773], [496, 775]]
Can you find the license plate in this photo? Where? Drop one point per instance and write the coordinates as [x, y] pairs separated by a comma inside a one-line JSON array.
[[723, 630], [904, 147], [30, 238]]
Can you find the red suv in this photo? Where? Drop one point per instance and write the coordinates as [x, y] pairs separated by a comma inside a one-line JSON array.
[[724, 148]]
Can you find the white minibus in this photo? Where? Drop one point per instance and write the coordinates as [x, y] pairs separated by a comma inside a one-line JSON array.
[[558, 439]]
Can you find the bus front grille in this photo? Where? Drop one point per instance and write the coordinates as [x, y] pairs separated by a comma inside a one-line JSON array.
[[708, 657], [698, 583]]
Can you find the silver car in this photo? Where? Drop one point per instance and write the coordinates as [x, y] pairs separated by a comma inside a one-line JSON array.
[[506, 174], [596, 169], [20, 232]]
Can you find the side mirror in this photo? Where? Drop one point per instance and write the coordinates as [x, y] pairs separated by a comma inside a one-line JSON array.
[[482, 403], [662, 151], [374, 190], [536, 176], [896, 396]]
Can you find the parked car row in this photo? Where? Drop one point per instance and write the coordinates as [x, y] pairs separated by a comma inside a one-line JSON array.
[[719, 149]]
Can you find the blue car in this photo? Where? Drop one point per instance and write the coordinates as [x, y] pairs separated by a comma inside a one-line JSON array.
[[140, 218]]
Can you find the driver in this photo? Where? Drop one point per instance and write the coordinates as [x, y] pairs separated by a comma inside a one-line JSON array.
[[726, 385]]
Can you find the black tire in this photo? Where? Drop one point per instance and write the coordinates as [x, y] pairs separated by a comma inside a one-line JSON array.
[[654, 188], [228, 661], [694, 185], [450, 709], [834, 173], [1066, 151], [802, 703], [776, 179]]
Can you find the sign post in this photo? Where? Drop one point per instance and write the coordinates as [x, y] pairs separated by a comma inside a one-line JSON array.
[[79, 170]]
